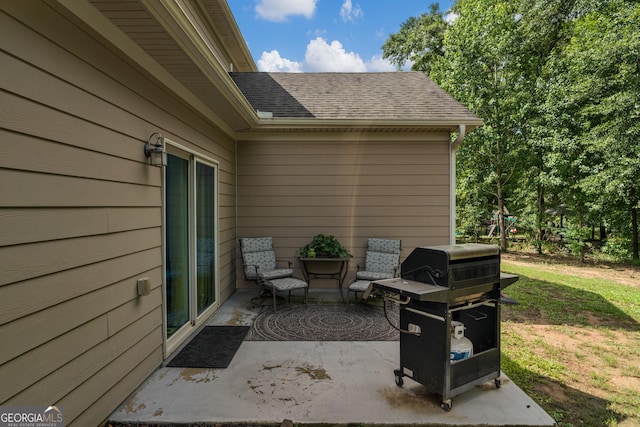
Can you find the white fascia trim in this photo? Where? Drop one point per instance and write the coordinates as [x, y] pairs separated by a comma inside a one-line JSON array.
[[314, 123], [209, 59], [87, 13]]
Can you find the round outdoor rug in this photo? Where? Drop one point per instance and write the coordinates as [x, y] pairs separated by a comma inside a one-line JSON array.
[[320, 322]]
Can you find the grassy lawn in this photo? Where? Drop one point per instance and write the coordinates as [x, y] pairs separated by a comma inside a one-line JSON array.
[[573, 341]]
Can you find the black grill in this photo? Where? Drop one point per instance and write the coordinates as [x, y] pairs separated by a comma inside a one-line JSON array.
[[440, 285]]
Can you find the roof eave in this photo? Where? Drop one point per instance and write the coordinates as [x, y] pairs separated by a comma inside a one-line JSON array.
[[240, 48], [289, 123]]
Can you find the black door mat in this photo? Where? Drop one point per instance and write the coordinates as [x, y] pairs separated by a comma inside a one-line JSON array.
[[213, 347]]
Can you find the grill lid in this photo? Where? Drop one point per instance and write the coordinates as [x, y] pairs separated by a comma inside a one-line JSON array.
[[464, 251], [453, 265]]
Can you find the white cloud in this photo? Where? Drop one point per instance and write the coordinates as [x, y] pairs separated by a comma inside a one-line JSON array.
[[349, 13], [377, 63], [273, 62], [321, 56], [279, 10]]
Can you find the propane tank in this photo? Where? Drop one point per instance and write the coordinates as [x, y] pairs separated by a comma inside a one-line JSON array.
[[461, 347]]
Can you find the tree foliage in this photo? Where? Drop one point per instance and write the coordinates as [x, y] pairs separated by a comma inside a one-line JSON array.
[[598, 82], [481, 67], [418, 42], [557, 83]]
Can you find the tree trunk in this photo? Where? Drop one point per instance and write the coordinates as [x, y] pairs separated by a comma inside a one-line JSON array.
[[583, 248], [501, 222], [634, 227], [540, 219]]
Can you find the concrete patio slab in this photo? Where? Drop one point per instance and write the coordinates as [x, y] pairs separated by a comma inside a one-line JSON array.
[[327, 383]]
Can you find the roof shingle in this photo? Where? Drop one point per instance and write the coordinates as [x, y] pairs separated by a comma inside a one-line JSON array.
[[374, 96]]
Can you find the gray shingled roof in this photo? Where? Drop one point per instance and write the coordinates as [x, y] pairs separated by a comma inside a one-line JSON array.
[[375, 96]]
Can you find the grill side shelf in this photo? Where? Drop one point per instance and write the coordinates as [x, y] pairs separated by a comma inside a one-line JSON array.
[[411, 289], [507, 279]]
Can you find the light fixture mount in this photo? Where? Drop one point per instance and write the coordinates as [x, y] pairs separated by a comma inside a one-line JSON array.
[[156, 151]]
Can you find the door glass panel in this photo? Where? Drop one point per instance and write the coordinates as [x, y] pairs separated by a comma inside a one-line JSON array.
[[205, 233], [177, 243]]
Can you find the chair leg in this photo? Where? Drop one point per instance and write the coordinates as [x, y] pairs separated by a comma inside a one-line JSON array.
[[257, 301], [273, 292]]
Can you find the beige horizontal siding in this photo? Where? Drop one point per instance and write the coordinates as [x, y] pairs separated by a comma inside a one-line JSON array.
[[81, 212], [117, 298], [308, 183], [28, 225], [62, 191], [87, 364], [30, 296], [349, 159], [352, 188], [28, 153], [24, 262], [346, 171], [435, 185]]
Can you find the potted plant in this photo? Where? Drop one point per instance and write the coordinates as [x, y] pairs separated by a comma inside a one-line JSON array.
[[322, 246]]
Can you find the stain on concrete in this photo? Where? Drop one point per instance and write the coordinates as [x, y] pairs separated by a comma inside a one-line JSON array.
[[314, 373], [491, 385], [238, 318], [158, 412], [255, 388], [197, 375], [415, 400], [270, 368], [132, 405]]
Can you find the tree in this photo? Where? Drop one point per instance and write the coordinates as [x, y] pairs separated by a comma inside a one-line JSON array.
[[482, 68], [418, 42], [557, 83], [544, 27], [596, 93]]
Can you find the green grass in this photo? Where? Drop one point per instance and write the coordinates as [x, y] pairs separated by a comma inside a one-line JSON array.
[[569, 342]]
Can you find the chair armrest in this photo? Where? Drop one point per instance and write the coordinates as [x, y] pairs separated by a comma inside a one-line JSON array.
[[284, 260]]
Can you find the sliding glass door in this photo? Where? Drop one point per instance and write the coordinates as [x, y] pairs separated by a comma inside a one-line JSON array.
[[177, 243], [205, 232], [190, 241]]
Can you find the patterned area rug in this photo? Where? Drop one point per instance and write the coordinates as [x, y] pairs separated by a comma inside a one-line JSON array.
[[318, 322]]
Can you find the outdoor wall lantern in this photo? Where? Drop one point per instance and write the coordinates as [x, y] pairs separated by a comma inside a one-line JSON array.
[[155, 151]]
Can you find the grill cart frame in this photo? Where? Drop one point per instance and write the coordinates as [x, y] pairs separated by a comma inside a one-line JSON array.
[[439, 285]]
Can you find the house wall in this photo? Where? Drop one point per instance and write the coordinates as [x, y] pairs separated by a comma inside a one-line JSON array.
[[81, 212], [353, 186]]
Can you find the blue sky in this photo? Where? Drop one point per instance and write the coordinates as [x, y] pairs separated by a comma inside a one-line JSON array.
[[323, 35]]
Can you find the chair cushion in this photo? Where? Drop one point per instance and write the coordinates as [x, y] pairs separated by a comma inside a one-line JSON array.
[[359, 286], [373, 275], [257, 254], [286, 284], [275, 274], [383, 245], [256, 244], [383, 255]]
